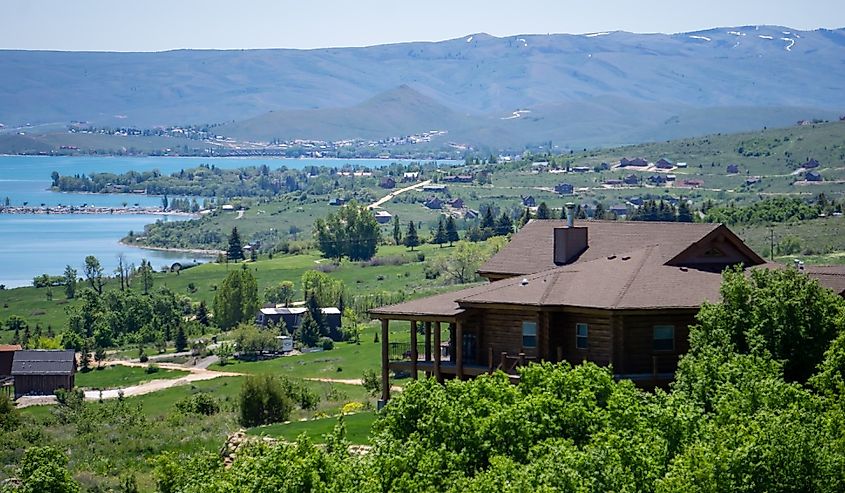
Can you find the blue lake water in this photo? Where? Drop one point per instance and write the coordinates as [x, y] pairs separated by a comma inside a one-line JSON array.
[[31, 245]]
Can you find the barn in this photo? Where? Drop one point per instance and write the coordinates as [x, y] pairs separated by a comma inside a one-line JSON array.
[[42, 372], [7, 353]]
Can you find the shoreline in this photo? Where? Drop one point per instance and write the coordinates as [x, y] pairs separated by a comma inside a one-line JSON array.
[[196, 251]]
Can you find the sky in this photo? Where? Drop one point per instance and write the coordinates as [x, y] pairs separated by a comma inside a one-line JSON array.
[[157, 25]]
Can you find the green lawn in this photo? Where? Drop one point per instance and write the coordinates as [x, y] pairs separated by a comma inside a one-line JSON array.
[[357, 428], [117, 376]]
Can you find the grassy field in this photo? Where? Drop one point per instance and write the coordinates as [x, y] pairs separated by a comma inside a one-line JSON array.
[[357, 428], [117, 376], [360, 278]]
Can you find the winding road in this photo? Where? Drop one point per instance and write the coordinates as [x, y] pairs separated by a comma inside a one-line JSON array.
[[389, 197]]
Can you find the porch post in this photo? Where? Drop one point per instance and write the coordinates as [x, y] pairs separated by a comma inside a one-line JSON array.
[[437, 352], [414, 355], [385, 357], [428, 346], [459, 349]]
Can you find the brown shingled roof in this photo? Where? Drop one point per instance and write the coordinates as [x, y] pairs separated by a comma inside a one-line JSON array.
[[830, 276], [532, 248], [5, 348]]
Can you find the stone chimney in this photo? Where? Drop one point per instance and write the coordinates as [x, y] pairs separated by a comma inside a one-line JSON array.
[[569, 242]]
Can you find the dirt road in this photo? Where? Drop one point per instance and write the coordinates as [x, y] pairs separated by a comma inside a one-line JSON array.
[[389, 197]]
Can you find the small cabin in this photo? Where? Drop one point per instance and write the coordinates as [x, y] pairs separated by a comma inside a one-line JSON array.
[[7, 354], [42, 372]]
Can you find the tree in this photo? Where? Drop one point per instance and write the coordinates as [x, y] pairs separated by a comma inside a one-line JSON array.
[[321, 286], [525, 217], [599, 212], [99, 355], [488, 223], [684, 212], [309, 331], [350, 232], [85, 356], [9, 414], [180, 341], [543, 211], [94, 273], [504, 225], [202, 313], [235, 251], [411, 238], [281, 293], [70, 282], [439, 235], [451, 231], [236, 300], [44, 470], [146, 273], [262, 401], [397, 233]]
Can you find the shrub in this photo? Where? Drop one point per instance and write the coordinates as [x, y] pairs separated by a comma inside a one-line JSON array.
[[352, 407], [151, 368], [263, 401], [201, 403], [371, 382], [9, 418], [326, 343]]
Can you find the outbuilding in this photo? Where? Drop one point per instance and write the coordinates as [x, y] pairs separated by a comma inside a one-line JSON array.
[[7, 354], [42, 372]]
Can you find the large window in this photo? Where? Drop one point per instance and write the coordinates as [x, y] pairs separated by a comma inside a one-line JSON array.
[[529, 334], [664, 338], [581, 340]]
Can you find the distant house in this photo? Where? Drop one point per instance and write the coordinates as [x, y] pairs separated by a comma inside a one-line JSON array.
[[636, 200], [613, 182], [7, 354], [812, 163], [458, 179], [472, 214], [529, 201], [680, 165], [564, 188], [813, 176], [410, 176], [293, 316], [751, 180], [337, 202], [636, 162], [433, 203], [228, 207], [671, 177], [631, 179], [664, 164], [692, 183], [581, 169], [657, 179], [387, 182], [42, 372], [383, 217], [619, 209], [432, 187], [456, 203], [733, 169]]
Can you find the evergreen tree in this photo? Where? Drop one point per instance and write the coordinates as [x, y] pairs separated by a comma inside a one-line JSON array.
[[235, 251], [316, 314], [525, 217], [488, 222], [70, 282], [543, 211], [181, 341], [684, 212], [451, 231], [440, 234], [411, 238], [146, 272], [85, 356], [202, 313], [309, 332], [397, 234], [504, 225], [600, 212]]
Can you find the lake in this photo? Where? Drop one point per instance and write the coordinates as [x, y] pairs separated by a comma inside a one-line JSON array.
[[31, 245]]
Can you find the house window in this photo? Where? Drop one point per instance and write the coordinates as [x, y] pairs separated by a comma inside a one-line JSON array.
[[664, 338], [581, 341], [529, 334]]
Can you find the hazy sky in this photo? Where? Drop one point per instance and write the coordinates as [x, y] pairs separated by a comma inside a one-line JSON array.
[[154, 25]]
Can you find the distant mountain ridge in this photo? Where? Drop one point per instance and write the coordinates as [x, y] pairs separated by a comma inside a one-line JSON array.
[[625, 86]]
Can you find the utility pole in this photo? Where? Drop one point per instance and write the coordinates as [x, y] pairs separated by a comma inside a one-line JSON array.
[[772, 243]]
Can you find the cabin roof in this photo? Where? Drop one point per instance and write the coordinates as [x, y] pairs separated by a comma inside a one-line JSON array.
[[531, 249], [9, 348], [831, 276], [43, 362]]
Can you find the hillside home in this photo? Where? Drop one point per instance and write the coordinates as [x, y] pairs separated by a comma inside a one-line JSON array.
[[664, 164], [456, 203], [410, 176], [657, 179], [618, 209], [564, 188], [631, 179], [751, 180], [337, 202], [613, 182], [813, 176], [432, 187], [529, 201], [812, 163], [458, 179], [387, 182], [692, 183], [433, 203], [610, 292], [42, 372], [293, 316], [636, 162], [383, 217]]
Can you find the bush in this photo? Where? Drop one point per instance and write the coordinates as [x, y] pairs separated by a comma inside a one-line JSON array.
[[151, 368], [326, 343], [9, 418], [420, 257], [263, 401], [371, 382], [201, 403]]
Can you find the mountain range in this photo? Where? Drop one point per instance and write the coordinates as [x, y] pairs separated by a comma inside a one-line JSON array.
[[574, 90]]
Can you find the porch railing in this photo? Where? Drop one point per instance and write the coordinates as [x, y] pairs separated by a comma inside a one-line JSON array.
[[508, 363], [401, 351]]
